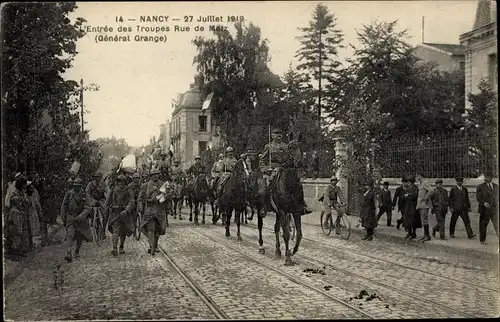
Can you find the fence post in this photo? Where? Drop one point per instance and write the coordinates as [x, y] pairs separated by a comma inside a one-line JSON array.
[[340, 129]]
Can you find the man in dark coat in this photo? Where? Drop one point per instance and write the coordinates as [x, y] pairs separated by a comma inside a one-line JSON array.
[[398, 200], [487, 199], [411, 216], [460, 207], [385, 204], [439, 198], [367, 213], [120, 202]]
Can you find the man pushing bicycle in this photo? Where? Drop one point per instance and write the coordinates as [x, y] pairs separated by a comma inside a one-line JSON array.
[[332, 200]]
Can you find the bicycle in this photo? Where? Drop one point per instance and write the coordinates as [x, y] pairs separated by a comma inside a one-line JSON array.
[[342, 223], [97, 225]]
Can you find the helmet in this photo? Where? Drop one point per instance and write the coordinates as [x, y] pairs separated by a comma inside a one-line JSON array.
[[229, 149], [163, 153], [155, 171], [77, 182], [136, 175], [243, 155], [277, 131], [121, 177], [221, 155], [197, 157], [334, 178], [177, 160]]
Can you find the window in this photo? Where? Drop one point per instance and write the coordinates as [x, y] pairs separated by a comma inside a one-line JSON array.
[[462, 65], [492, 70], [202, 122], [202, 146]]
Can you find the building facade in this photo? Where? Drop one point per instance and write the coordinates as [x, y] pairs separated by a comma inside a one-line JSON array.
[[191, 129], [164, 137], [447, 57], [481, 49]]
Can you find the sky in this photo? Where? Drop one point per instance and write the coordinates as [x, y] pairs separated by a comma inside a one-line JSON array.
[[138, 80]]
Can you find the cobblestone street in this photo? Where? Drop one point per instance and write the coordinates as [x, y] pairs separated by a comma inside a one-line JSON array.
[[204, 275]]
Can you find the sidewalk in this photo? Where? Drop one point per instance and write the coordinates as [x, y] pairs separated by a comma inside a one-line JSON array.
[[461, 244]]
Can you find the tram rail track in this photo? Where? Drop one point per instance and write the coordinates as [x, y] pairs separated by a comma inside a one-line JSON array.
[[192, 284], [323, 263], [387, 261], [290, 277]]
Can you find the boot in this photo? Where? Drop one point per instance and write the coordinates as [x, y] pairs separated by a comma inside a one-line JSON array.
[[398, 223], [426, 236], [434, 230], [122, 244]]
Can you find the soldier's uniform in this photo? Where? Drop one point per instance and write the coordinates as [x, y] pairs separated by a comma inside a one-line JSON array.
[[120, 202], [154, 221], [73, 216], [217, 170], [163, 165], [439, 198], [227, 167], [280, 155], [176, 172], [95, 193]]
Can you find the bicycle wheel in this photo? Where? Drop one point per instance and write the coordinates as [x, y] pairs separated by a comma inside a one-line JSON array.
[[99, 231], [138, 227], [344, 227], [326, 227]]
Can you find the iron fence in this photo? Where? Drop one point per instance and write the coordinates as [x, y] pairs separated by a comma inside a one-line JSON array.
[[444, 155]]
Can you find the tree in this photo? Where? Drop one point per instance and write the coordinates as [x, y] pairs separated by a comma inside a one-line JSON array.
[[318, 52], [234, 67], [38, 104], [112, 149]]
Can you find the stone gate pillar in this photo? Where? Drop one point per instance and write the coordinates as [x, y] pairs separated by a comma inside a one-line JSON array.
[[341, 156]]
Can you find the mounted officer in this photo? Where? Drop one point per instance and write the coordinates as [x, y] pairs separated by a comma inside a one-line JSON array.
[[197, 168], [176, 172], [274, 155], [227, 167], [217, 169]]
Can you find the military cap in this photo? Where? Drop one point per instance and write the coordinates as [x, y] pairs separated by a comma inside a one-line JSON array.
[[77, 182], [229, 149], [121, 177], [386, 183], [277, 131], [154, 171], [439, 181], [459, 179], [221, 155], [177, 160], [334, 178], [163, 153], [197, 157], [136, 175]]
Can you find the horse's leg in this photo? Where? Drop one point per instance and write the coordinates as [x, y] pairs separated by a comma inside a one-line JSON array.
[[238, 213], [166, 211], [252, 212], [196, 211], [277, 234], [174, 207], [227, 215], [203, 205], [260, 223], [286, 237], [179, 203], [298, 227], [190, 202]]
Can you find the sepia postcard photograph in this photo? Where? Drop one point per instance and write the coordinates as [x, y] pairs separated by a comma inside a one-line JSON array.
[[249, 160]]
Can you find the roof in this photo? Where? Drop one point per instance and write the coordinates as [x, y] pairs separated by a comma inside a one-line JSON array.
[[485, 13], [190, 99], [453, 49]]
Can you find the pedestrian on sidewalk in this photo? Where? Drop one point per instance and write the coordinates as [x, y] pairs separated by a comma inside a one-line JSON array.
[[460, 207], [368, 209], [411, 216], [398, 200], [74, 211], [385, 204], [424, 205], [120, 202], [487, 199], [439, 198], [35, 212], [19, 230]]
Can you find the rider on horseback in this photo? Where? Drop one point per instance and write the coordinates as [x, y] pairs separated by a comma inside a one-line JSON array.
[[227, 167], [176, 172], [272, 157], [217, 169], [197, 168]]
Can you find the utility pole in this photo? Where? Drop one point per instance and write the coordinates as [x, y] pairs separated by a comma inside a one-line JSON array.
[[81, 111], [423, 28]]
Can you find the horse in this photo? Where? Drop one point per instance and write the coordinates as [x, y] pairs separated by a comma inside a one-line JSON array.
[[178, 197], [233, 197], [256, 196], [197, 195], [286, 198]]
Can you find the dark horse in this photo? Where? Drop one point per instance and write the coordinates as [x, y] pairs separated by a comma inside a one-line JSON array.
[[178, 197], [233, 196], [286, 198], [197, 195], [256, 196]]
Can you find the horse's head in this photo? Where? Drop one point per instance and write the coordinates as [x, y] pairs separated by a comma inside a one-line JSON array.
[[295, 150], [201, 183]]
